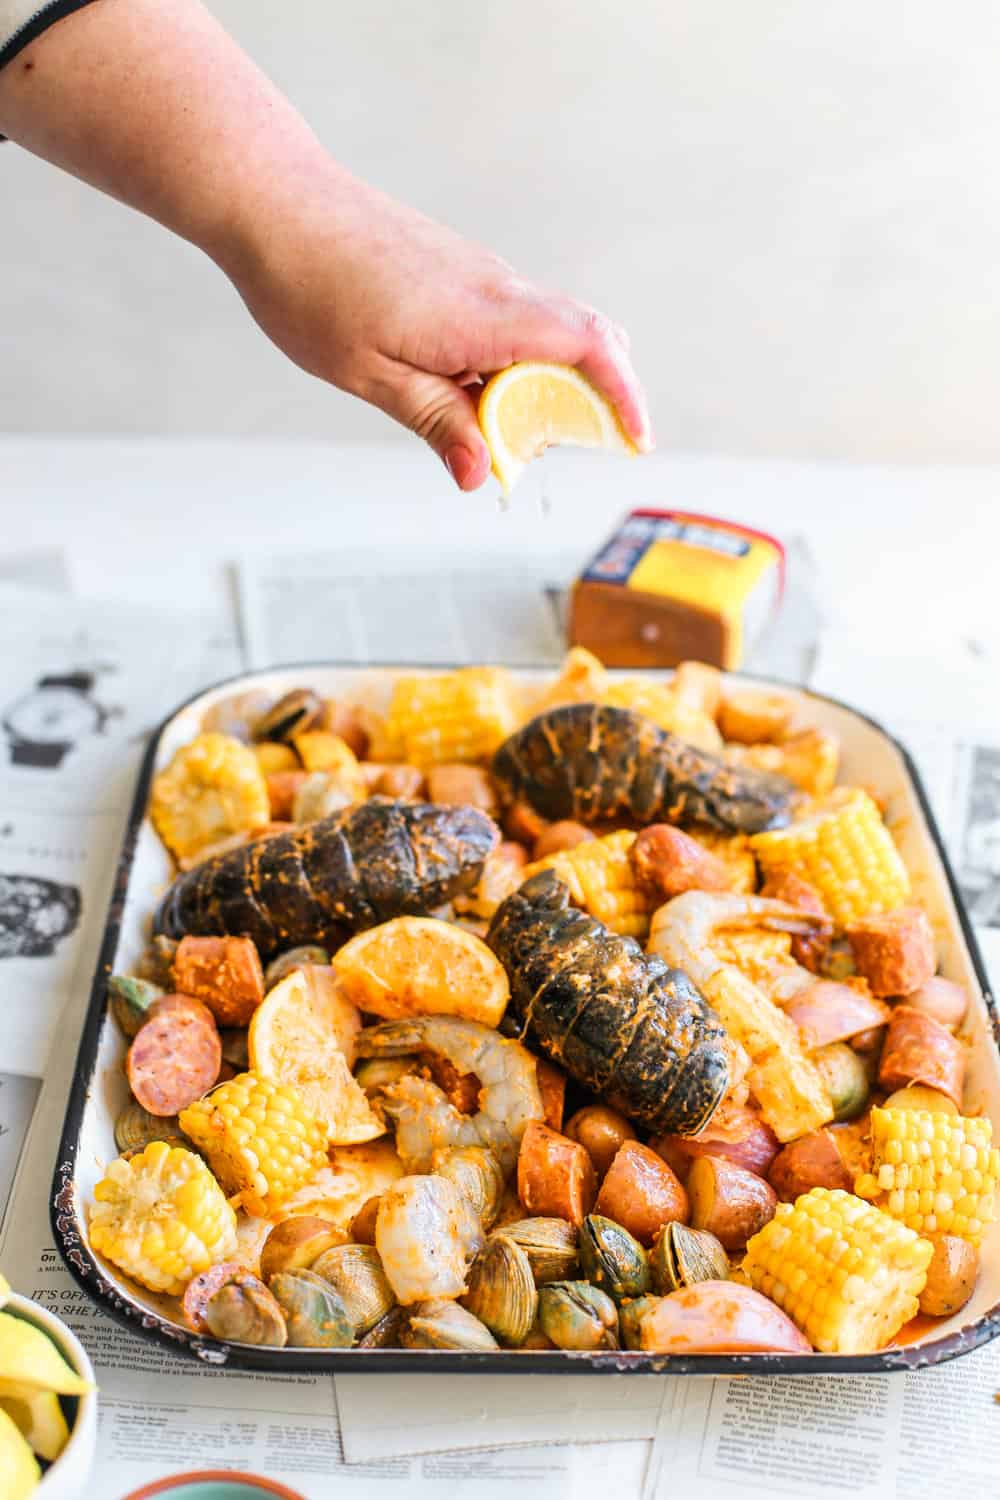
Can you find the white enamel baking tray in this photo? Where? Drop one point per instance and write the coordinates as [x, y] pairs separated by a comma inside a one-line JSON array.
[[870, 756]]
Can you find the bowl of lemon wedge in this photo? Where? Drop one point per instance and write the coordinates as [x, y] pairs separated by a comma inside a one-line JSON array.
[[48, 1404]]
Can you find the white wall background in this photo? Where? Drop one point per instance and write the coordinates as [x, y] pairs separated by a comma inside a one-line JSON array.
[[795, 207]]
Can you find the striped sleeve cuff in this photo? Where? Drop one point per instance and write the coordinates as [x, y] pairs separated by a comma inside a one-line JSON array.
[[21, 21]]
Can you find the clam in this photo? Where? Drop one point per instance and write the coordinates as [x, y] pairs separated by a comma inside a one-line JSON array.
[[135, 1127], [630, 1316], [550, 1245], [477, 1174], [279, 968], [245, 1312], [295, 712], [576, 1315], [502, 1290], [437, 1324], [612, 1258], [355, 1273], [130, 1000], [314, 1311], [388, 1331], [156, 962], [681, 1256]]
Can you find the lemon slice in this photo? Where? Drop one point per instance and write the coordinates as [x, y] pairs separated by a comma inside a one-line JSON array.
[[297, 1037], [19, 1470], [29, 1356], [420, 966], [528, 407], [37, 1415]]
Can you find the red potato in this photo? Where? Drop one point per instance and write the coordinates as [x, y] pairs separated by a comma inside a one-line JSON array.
[[894, 950], [951, 1276], [831, 1012], [919, 1049], [729, 1202], [813, 1160], [552, 1087], [719, 1317], [641, 1193], [600, 1131], [742, 1138], [282, 787], [808, 949], [555, 1176], [942, 1000], [463, 786], [224, 973], [559, 836], [175, 1056], [670, 862]]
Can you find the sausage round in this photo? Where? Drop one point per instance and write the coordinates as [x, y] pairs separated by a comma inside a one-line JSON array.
[[175, 1057], [919, 1049]]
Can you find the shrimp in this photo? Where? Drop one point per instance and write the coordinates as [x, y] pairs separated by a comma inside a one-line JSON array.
[[426, 1233], [509, 1097], [683, 930]]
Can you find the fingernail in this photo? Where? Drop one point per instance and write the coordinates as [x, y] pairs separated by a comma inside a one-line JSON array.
[[459, 463]]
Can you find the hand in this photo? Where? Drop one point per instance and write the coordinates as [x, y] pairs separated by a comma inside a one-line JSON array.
[[379, 300]]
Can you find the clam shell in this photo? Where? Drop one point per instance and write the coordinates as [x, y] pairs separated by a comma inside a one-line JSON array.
[[295, 712], [551, 1246], [388, 1331], [437, 1324], [681, 1256], [355, 1272], [279, 968], [477, 1174], [630, 1316], [245, 1312], [502, 1290], [613, 1259], [130, 999], [135, 1128], [576, 1315], [314, 1312]]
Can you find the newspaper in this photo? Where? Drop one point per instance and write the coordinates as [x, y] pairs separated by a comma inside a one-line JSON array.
[[922, 1435]]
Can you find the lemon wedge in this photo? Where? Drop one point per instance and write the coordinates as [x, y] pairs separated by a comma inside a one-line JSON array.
[[421, 966], [530, 406], [19, 1470], [297, 1037], [28, 1356], [37, 1415]]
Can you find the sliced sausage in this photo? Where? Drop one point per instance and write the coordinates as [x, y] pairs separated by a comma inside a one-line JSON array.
[[894, 950], [919, 1049], [814, 1160], [224, 972], [671, 862], [808, 949], [175, 1057]]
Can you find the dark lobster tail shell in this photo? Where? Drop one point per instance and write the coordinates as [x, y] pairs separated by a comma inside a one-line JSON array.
[[591, 762], [623, 1024], [322, 881]]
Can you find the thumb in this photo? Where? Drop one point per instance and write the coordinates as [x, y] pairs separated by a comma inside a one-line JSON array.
[[444, 415]]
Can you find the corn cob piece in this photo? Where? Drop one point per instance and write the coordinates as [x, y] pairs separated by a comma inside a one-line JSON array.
[[845, 852], [785, 1082], [261, 1140], [213, 787], [849, 1275], [659, 701], [319, 750], [162, 1217], [935, 1172], [453, 716], [601, 880]]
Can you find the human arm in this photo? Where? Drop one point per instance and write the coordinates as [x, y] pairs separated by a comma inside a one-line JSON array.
[[156, 105]]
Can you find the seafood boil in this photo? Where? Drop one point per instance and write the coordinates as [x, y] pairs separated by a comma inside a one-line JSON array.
[[604, 1017]]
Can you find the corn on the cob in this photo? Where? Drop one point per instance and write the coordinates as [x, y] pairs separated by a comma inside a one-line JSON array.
[[658, 701], [213, 787], [260, 1139], [849, 1275], [454, 716], [162, 1217], [601, 880], [935, 1172], [845, 852]]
